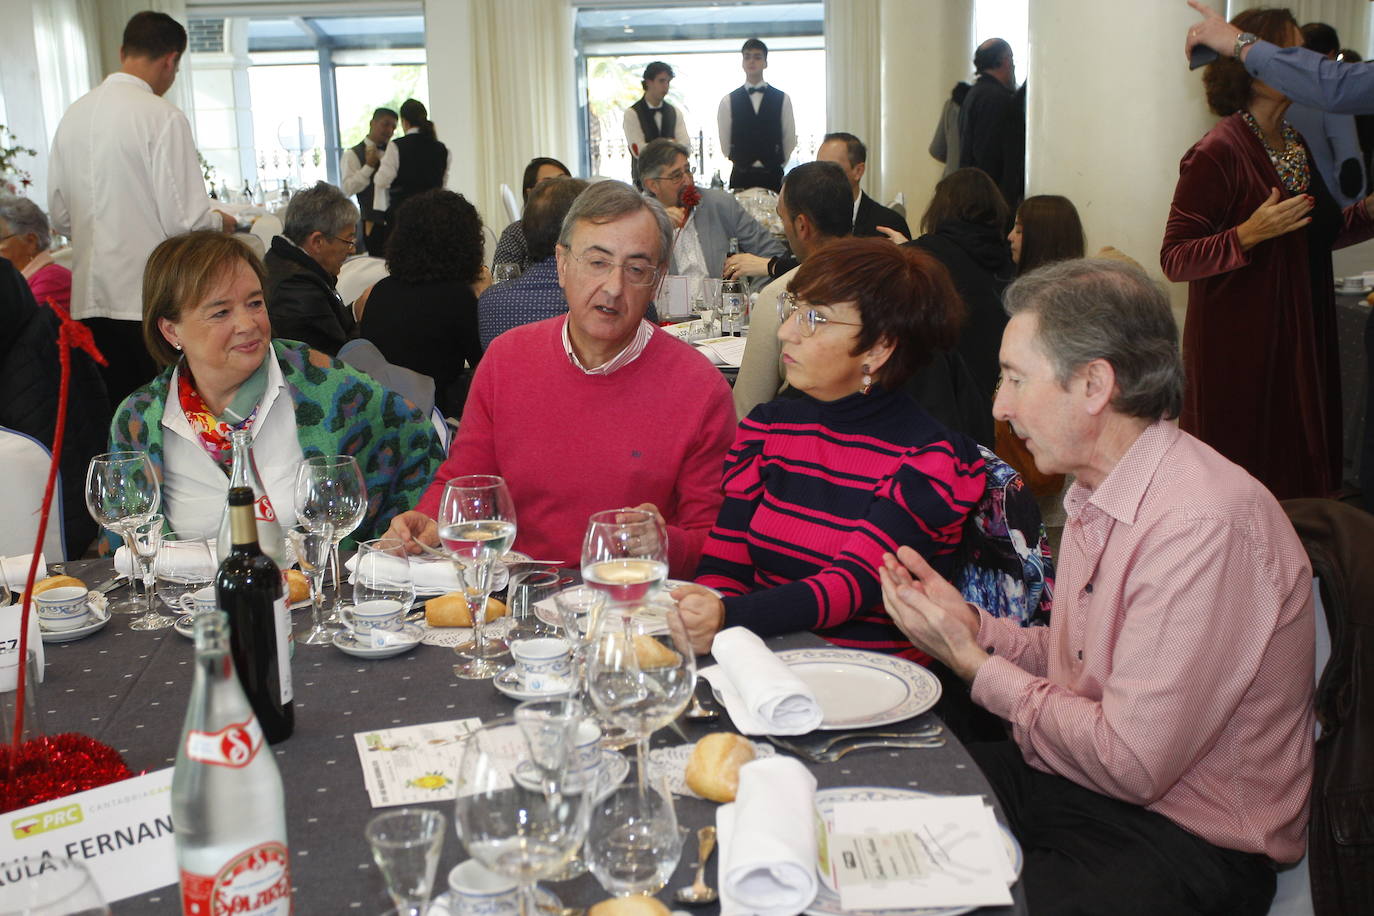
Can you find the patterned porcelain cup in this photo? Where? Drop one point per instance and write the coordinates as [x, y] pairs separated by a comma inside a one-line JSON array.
[[477, 891], [204, 599], [383, 613], [545, 663], [63, 608]]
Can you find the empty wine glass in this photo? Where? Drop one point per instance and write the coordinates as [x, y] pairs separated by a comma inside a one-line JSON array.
[[625, 555], [477, 527], [121, 492], [50, 886], [633, 841], [144, 542], [382, 573], [579, 610], [503, 272], [330, 488], [515, 811], [525, 591], [184, 566], [406, 845], [312, 547]]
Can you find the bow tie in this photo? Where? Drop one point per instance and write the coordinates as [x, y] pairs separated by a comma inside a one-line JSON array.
[[753, 89]]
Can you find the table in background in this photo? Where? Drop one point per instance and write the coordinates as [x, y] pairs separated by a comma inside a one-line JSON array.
[[129, 689]]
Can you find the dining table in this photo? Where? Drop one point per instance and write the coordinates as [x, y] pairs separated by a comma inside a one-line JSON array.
[[130, 688]]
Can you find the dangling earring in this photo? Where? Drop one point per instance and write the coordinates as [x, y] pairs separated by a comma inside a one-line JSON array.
[[868, 381]]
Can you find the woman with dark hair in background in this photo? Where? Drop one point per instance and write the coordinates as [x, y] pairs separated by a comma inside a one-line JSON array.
[[1251, 229], [510, 247], [1047, 229], [424, 315], [412, 164]]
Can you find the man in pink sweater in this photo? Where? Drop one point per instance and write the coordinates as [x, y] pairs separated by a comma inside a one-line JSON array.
[[599, 408]]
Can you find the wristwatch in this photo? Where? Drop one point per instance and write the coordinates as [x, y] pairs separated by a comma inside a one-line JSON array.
[[1243, 41]]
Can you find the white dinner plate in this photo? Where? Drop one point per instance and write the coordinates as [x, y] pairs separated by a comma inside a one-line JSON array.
[[347, 642], [98, 622], [857, 689], [508, 682], [610, 773], [827, 902]]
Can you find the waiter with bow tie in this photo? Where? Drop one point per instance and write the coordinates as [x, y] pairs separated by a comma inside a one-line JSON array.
[[360, 166], [652, 117], [757, 130]]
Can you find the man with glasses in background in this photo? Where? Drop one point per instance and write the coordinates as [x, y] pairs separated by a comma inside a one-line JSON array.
[[597, 408], [319, 232], [704, 228]]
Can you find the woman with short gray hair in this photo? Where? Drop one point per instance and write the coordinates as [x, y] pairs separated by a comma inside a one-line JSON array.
[[24, 241], [319, 232]]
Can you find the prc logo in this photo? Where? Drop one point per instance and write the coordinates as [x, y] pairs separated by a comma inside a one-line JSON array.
[[42, 822]]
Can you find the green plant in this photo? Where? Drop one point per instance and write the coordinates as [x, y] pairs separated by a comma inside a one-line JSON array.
[[14, 179]]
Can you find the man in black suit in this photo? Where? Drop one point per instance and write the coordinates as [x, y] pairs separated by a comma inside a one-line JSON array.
[[992, 122], [849, 153], [757, 129]]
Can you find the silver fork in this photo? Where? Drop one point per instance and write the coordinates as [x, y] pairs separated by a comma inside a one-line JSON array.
[[833, 755], [925, 731]]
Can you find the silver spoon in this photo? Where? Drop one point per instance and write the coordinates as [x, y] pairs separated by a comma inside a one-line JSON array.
[[699, 894]]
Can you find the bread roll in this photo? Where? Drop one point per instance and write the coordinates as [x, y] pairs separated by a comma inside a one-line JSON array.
[[42, 585], [650, 653], [297, 586], [713, 770], [634, 905], [451, 610]]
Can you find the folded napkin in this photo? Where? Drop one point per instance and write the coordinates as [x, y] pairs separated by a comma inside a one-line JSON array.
[[124, 562], [768, 840], [17, 570], [758, 689], [431, 575]]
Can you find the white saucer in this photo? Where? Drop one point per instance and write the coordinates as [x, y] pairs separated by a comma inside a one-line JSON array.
[[508, 682], [55, 636], [345, 641], [442, 904], [185, 626], [611, 772]]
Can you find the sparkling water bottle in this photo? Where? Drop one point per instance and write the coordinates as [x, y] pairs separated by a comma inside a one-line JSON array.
[[228, 807], [244, 473]]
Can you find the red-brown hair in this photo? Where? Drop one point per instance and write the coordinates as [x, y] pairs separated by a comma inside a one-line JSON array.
[[1227, 83]]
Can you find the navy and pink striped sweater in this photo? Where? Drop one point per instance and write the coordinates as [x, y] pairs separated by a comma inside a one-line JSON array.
[[816, 493]]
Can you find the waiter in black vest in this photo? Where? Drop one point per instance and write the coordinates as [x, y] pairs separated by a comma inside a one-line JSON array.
[[757, 130], [360, 165], [412, 164], [652, 117]]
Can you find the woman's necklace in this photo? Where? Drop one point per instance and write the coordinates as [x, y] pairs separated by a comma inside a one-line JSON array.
[[1291, 162]]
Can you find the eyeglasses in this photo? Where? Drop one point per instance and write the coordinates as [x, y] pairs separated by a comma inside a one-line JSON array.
[[675, 176], [637, 271], [351, 243], [808, 319]]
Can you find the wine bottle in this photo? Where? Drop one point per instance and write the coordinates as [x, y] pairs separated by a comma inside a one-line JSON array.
[[228, 807], [243, 472], [249, 589]]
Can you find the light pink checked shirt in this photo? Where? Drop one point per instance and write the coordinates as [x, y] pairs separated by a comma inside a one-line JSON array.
[[1176, 672]]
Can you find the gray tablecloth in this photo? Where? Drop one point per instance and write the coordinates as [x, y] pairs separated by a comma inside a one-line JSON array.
[[130, 689]]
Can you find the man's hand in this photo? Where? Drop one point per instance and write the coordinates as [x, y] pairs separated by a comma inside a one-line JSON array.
[[895, 235], [1213, 31], [1274, 218], [702, 613], [372, 157], [484, 280], [678, 215], [227, 222], [931, 612], [414, 526], [744, 265]]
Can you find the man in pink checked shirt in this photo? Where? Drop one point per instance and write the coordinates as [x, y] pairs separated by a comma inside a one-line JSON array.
[[1163, 721]]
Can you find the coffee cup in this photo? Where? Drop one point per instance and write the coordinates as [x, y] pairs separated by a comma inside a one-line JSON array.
[[586, 747], [63, 608], [361, 618], [205, 599], [477, 891], [544, 663]]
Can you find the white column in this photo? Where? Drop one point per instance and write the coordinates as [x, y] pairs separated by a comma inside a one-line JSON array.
[[926, 49], [1112, 108], [449, 55]]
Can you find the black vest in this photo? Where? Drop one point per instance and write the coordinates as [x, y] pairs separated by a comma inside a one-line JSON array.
[[420, 167], [651, 129], [365, 195], [756, 136]]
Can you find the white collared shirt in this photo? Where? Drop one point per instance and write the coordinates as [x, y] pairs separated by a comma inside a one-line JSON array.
[[724, 120], [195, 490], [643, 334], [688, 258], [356, 175], [123, 176]]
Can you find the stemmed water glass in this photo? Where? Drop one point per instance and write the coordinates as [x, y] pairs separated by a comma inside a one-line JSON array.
[[184, 566], [579, 611], [516, 812], [144, 542], [312, 547], [406, 845], [382, 573], [526, 590], [121, 492], [330, 488], [477, 527], [625, 555], [634, 841]]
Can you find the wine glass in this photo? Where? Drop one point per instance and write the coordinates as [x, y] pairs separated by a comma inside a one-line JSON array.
[[526, 590], [406, 845], [383, 573], [477, 527], [50, 886], [312, 547], [515, 811], [625, 554], [503, 272], [330, 488], [144, 542], [633, 841], [184, 566], [579, 610], [121, 492]]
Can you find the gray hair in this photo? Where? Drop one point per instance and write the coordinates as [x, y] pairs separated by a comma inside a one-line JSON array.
[[23, 216], [658, 154], [608, 201], [322, 208], [1093, 308]]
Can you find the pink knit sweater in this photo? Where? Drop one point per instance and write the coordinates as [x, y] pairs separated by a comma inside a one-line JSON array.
[[570, 444]]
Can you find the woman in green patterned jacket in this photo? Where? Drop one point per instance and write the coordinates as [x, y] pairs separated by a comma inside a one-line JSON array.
[[205, 320]]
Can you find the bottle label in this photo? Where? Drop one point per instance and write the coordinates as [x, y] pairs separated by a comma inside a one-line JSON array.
[[232, 746], [263, 511], [257, 882], [282, 614]]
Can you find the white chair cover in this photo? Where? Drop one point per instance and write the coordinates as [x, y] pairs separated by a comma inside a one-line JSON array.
[[265, 227], [357, 274], [512, 202], [26, 461]]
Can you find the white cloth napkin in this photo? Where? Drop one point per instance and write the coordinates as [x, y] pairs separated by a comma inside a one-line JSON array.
[[435, 576], [17, 570], [758, 689], [768, 840]]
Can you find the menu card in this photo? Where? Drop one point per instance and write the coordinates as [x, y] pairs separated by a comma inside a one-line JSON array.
[[929, 852], [413, 764]]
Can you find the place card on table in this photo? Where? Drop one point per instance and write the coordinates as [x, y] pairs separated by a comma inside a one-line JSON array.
[[9, 645], [413, 764], [122, 833], [674, 297], [928, 852]]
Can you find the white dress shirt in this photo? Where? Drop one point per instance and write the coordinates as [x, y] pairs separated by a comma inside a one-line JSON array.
[[195, 490], [634, 134], [688, 258], [356, 174], [123, 176], [789, 124], [386, 173]]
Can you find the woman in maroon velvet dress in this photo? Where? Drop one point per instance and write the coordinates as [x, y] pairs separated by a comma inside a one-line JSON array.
[[1252, 228]]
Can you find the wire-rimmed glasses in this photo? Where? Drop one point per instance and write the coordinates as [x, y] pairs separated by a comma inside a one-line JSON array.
[[808, 319], [637, 271]]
